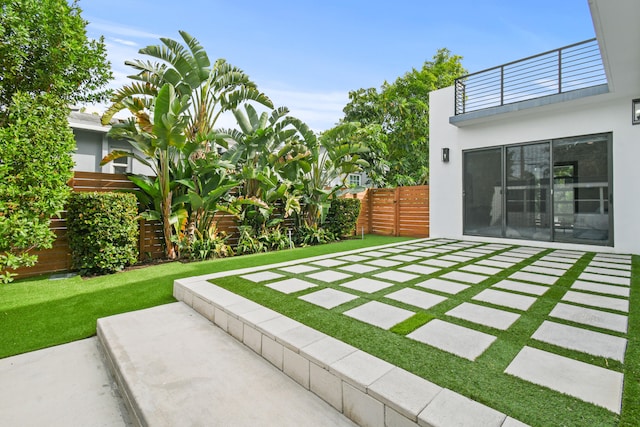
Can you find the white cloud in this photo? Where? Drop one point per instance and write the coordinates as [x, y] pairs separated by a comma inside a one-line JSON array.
[[112, 29], [125, 42]]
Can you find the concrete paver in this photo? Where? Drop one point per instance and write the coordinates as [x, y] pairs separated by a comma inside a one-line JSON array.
[[534, 277], [299, 269], [591, 317], [328, 298], [525, 288], [378, 314], [262, 276], [365, 284], [481, 269], [464, 277], [384, 263], [505, 299], [416, 298], [621, 291], [328, 276], [452, 409], [358, 268], [603, 278], [289, 286], [591, 383], [419, 269], [600, 301], [584, 340], [492, 317], [455, 339], [396, 276], [445, 286]]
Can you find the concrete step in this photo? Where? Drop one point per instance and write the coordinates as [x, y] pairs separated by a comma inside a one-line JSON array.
[[174, 367]]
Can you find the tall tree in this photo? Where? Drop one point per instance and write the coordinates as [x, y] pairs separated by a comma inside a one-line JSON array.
[[46, 63], [44, 48], [401, 110]]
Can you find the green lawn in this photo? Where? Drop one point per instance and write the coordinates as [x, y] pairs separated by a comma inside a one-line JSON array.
[[38, 313]]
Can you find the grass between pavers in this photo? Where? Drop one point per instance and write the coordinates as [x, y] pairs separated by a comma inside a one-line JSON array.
[[38, 313], [483, 380]]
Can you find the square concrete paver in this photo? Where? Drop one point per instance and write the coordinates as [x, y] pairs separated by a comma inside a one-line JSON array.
[[452, 409], [602, 278], [607, 264], [419, 269], [481, 269], [359, 268], [591, 317], [328, 276], [534, 277], [403, 258], [583, 340], [486, 316], [384, 263], [439, 263], [396, 276], [367, 285], [290, 286], [298, 269], [544, 270], [328, 262], [353, 258], [262, 276], [374, 254], [600, 301], [443, 286], [494, 263], [456, 258], [424, 300], [568, 254], [423, 254], [393, 250], [525, 288], [559, 260], [505, 258], [328, 298], [454, 339], [378, 314], [505, 299], [621, 291], [608, 271], [602, 387], [464, 277]]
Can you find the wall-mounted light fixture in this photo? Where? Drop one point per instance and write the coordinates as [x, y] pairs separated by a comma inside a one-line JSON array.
[[445, 155], [635, 111]]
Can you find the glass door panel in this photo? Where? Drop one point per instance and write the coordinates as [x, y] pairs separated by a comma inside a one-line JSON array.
[[581, 190], [527, 191], [483, 192]]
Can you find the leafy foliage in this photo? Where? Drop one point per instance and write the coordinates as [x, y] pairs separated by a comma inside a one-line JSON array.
[[102, 231], [44, 49], [343, 217], [35, 165], [308, 235], [396, 120]]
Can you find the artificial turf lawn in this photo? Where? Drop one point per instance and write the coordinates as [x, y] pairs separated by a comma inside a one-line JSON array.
[[38, 313], [483, 380]]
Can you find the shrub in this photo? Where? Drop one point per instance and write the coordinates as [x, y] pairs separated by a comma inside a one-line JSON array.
[[308, 235], [343, 217], [102, 231]]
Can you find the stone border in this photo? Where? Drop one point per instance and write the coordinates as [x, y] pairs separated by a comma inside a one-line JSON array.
[[366, 389]]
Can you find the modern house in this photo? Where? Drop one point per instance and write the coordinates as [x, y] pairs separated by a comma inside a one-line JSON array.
[[92, 144], [545, 150]]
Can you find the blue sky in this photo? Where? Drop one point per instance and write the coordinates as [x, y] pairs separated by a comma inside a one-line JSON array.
[[308, 54]]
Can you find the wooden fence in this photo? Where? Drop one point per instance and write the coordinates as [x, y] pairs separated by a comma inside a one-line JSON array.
[[403, 211]]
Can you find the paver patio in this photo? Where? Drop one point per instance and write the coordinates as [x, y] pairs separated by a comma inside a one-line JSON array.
[[489, 285]]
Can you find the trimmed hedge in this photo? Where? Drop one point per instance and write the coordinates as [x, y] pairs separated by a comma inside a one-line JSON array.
[[102, 230], [342, 217]]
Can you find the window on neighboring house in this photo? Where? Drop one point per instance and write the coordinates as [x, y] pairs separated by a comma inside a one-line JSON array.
[[354, 180], [121, 165]]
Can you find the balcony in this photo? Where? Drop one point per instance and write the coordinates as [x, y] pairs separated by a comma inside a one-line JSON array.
[[572, 71]]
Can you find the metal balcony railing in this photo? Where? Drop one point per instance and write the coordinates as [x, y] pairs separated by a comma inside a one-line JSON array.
[[573, 67]]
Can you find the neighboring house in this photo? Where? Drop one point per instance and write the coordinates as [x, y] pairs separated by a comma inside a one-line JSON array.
[[92, 144], [546, 150]]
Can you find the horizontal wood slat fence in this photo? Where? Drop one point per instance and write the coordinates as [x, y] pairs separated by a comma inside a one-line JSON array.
[[403, 211]]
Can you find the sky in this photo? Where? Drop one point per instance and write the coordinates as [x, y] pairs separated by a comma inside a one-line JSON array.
[[308, 55]]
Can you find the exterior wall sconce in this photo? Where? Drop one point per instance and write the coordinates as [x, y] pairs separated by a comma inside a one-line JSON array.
[[445, 154], [635, 110]]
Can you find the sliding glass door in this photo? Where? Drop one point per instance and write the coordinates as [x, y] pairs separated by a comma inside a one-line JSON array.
[[552, 191]]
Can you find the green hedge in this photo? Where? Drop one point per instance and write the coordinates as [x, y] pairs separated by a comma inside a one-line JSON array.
[[342, 217], [102, 230]]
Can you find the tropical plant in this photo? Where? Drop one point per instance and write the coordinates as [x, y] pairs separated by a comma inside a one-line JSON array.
[[189, 182], [336, 155]]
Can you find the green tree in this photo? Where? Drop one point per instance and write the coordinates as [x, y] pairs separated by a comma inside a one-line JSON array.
[[44, 49], [35, 165], [399, 152], [46, 63]]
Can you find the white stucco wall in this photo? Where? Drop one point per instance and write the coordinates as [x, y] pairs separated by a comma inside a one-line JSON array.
[[596, 114]]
